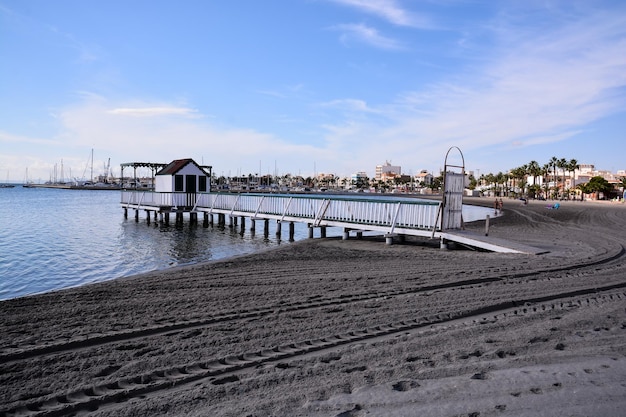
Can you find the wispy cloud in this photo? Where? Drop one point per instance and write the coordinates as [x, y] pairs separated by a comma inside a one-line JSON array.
[[353, 105], [271, 93], [12, 138], [535, 88], [364, 34], [388, 10], [153, 111]]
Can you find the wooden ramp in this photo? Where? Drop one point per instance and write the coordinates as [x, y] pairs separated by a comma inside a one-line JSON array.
[[489, 243]]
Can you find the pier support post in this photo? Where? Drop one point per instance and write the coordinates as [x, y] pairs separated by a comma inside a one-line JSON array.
[[310, 230], [252, 224], [125, 212], [291, 231], [389, 239], [136, 215], [278, 227], [243, 223], [179, 218], [160, 217], [147, 216], [155, 216], [266, 228], [193, 218], [487, 225], [323, 232], [443, 244], [205, 220], [359, 235], [167, 219], [346, 234]]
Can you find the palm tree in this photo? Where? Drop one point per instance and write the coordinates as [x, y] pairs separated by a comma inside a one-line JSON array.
[[562, 163], [573, 166], [533, 169], [491, 180], [500, 179], [517, 174], [553, 163], [545, 172]]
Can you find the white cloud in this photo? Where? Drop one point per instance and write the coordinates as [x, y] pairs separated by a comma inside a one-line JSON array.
[[153, 111], [368, 35], [161, 138], [9, 138], [535, 88], [352, 105], [388, 10]]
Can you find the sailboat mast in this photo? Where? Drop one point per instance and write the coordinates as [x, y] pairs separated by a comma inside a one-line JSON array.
[[92, 165]]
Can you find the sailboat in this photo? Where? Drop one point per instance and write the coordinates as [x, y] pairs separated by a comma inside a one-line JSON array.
[[7, 185], [27, 182]]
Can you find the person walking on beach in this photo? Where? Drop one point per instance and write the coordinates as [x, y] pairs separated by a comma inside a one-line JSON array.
[[500, 205], [496, 205]]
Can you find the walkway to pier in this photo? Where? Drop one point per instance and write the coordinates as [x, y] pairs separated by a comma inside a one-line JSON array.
[[391, 217]]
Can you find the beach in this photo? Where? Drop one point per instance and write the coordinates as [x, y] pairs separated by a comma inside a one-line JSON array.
[[331, 327]]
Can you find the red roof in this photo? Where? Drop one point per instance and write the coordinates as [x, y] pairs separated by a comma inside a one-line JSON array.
[[176, 165]]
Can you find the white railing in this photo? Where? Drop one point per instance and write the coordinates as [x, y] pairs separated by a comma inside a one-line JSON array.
[[317, 210]]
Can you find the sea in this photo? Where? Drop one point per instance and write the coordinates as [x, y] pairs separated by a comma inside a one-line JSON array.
[[52, 239]]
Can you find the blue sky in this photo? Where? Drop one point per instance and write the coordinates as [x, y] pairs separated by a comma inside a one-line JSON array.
[[310, 86]]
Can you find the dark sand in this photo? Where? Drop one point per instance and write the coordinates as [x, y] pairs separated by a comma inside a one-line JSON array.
[[342, 328]]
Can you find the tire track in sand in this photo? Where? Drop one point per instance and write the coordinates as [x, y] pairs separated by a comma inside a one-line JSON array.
[[227, 369], [27, 352]]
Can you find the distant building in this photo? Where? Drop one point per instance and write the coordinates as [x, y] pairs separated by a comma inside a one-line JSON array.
[[424, 177], [387, 171], [359, 180]]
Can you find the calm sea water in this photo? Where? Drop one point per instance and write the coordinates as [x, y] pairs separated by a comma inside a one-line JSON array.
[[52, 239]]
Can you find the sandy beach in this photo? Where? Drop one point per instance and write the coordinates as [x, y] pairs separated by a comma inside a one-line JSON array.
[[327, 327]]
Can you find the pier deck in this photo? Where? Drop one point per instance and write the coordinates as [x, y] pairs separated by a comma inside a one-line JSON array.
[[391, 217]]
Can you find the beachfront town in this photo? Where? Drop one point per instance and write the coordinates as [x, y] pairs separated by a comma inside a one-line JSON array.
[[555, 179]]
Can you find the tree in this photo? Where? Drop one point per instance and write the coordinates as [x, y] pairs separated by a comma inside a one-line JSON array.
[[552, 163], [518, 174], [472, 182], [533, 169], [572, 166], [562, 164], [599, 185], [545, 171]]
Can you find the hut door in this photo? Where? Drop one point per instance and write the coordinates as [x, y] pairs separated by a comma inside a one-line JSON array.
[[190, 188], [190, 183]]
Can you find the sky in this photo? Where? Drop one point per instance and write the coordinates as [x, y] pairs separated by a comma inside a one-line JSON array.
[[310, 86]]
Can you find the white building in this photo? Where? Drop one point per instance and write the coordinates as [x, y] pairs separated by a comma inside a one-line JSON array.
[[387, 171], [424, 177]]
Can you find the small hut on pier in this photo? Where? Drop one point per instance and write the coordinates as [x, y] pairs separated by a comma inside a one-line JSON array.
[[182, 176]]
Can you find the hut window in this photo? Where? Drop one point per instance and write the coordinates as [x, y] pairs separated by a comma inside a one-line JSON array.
[[202, 183], [178, 183]]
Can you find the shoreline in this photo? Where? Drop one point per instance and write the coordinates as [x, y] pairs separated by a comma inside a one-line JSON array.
[[332, 327]]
